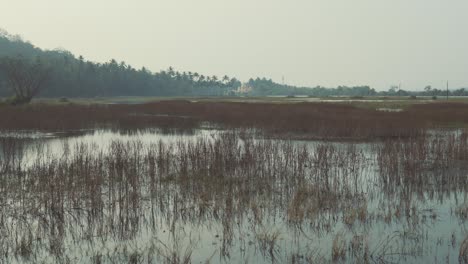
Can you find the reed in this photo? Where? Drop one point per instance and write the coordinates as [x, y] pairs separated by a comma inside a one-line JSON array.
[[135, 202], [463, 255], [301, 120], [339, 248]]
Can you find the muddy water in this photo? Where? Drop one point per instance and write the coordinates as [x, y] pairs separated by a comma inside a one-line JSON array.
[[370, 223]]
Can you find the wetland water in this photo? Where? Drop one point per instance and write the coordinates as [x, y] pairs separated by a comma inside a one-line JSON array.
[[229, 197]]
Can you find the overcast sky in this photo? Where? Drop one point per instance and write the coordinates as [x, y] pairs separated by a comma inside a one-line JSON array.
[[310, 42]]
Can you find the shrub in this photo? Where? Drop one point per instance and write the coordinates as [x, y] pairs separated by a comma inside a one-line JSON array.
[[14, 100], [64, 100]]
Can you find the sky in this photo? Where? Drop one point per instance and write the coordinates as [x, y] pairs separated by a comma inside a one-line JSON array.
[[379, 43]]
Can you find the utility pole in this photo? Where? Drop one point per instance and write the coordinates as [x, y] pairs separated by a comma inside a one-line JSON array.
[[447, 91]]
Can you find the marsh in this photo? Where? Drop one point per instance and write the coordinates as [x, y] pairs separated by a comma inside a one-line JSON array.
[[231, 196]]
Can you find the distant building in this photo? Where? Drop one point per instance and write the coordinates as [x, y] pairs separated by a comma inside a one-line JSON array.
[[244, 88]]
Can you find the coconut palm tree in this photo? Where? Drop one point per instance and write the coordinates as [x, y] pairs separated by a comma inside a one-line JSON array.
[[171, 71], [226, 79], [214, 79], [190, 76]]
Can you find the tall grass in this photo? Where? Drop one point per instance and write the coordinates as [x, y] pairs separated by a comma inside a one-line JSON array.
[[301, 120], [425, 162], [120, 194]]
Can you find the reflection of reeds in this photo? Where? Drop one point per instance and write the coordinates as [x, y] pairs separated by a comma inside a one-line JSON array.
[[462, 211], [11, 152], [356, 212], [310, 257], [230, 181], [339, 248], [425, 162], [267, 240], [359, 247], [221, 178], [463, 256], [173, 251], [309, 201]]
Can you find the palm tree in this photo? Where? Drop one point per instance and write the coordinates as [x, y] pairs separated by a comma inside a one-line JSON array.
[[226, 79], [190, 76], [170, 71], [122, 65], [234, 83], [428, 89]]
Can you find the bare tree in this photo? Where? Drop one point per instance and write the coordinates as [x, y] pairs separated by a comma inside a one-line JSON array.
[[25, 78]]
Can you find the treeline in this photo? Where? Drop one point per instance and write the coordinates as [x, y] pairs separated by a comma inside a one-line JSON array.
[[71, 76], [263, 86], [428, 91]]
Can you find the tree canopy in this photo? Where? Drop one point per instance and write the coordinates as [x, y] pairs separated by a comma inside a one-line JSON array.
[[24, 77], [71, 76]]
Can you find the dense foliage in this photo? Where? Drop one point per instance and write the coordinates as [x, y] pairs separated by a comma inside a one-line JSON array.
[[268, 87], [76, 77], [71, 76], [261, 87]]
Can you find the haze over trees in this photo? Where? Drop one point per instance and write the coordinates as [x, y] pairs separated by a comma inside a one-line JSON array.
[[268, 87], [59, 73], [72, 76]]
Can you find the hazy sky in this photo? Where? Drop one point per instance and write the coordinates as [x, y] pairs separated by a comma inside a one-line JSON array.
[[310, 42]]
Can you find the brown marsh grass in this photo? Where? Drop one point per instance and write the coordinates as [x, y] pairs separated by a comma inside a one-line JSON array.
[[116, 193], [463, 256], [339, 248], [300, 120], [129, 201]]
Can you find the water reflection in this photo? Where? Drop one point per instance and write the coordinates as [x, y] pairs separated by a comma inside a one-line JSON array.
[[106, 197]]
